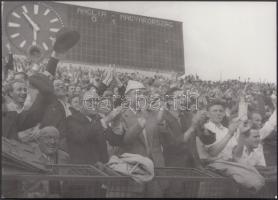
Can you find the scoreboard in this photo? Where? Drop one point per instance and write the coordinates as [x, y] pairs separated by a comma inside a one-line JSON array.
[[109, 37]]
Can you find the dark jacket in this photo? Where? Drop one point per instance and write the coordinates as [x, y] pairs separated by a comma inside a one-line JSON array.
[[270, 149], [55, 116], [14, 122], [176, 152], [44, 187], [86, 140], [52, 66], [118, 100]]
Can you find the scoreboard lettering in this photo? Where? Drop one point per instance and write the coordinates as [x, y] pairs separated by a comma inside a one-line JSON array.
[[94, 14], [146, 20]]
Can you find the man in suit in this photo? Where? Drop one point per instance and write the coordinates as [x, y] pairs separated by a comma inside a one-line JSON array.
[[177, 132], [58, 109], [57, 112], [141, 134], [175, 121]]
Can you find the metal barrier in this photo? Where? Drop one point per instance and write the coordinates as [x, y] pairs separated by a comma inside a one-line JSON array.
[[91, 181]]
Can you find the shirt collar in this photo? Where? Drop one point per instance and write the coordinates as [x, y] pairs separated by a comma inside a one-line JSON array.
[[46, 157], [212, 124], [12, 106], [66, 107], [63, 103], [248, 151]]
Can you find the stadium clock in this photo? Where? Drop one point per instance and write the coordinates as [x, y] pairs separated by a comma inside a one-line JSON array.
[[33, 24]]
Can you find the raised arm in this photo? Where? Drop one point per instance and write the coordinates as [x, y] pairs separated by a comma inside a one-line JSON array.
[[52, 64], [198, 120], [269, 126], [238, 149], [215, 149], [10, 64], [34, 115]]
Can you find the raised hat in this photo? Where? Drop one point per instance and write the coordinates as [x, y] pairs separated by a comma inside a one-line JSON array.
[[65, 40]]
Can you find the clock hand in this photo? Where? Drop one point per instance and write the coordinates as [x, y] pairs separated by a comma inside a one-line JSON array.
[[33, 24], [28, 19], [35, 37]]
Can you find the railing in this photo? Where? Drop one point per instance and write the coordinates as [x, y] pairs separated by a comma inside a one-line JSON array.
[[175, 182]]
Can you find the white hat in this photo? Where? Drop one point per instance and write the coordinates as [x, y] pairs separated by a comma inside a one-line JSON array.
[[133, 85]]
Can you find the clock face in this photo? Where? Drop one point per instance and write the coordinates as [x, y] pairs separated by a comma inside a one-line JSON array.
[[33, 24]]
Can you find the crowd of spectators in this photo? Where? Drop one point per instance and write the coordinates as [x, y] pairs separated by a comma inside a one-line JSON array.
[[86, 115]]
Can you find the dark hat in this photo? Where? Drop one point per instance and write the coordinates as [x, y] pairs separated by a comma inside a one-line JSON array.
[[172, 90], [88, 86], [213, 102], [151, 81], [42, 83], [23, 73], [65, 39], [108, 93], [207, 136]]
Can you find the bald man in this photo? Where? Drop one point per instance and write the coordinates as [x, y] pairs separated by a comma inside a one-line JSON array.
[[48, 143]]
